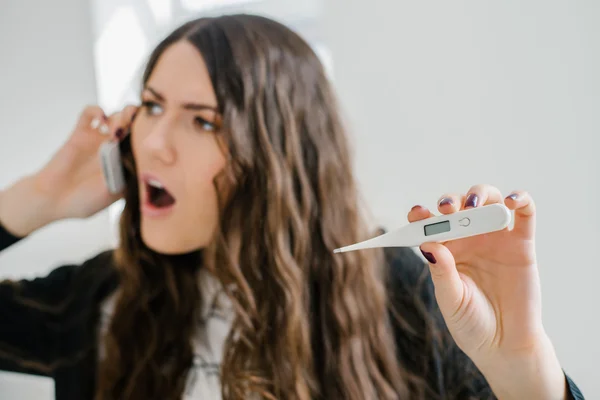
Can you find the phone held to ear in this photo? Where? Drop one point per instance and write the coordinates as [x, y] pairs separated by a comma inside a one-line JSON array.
[[112, 167]]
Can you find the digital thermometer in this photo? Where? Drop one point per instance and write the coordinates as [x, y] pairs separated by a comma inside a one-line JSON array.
[[462, 224]]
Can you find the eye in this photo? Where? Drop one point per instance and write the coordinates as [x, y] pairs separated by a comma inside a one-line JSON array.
[[204, 124], [152, 108]]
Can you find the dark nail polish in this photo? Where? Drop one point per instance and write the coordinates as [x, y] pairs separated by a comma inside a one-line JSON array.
[[446, 200], [472, 200], [428, 256], [513, 196], [119, 134]]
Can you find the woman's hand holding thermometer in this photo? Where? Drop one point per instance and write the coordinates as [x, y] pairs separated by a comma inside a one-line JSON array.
[[487, 286], [466, 223]]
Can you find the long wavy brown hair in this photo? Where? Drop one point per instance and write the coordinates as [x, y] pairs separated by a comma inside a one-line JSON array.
[[308, 324]]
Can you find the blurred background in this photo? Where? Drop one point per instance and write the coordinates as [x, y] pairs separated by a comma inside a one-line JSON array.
[[438, 95]]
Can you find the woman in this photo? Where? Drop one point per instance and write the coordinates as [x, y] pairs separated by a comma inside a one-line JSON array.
[[239, 186]]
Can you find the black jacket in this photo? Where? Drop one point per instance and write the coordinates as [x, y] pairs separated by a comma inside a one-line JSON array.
[[49, 327]]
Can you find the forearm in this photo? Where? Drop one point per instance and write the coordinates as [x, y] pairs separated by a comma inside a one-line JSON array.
[[531, 375], [23, 207]]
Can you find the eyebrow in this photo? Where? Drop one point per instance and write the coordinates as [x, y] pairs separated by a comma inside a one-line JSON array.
[[187, 106]]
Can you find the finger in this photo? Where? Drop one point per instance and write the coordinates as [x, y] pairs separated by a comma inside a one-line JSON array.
[[120, 121], [523, 205], [114, 121], [127, 116], [480, 195], [115, 125], [450, 203], [91, 117], [449, 288], [418, 213]]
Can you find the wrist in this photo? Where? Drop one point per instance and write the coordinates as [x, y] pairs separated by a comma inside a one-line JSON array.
[[24, 208], [532, 374]]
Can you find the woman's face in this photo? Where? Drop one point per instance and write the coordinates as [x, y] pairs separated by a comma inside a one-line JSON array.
[[177, 153]]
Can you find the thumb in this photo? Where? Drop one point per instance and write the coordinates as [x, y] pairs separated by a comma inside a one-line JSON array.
[[449, 289]]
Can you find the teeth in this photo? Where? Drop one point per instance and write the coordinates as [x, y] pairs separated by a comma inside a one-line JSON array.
[[155, 184]]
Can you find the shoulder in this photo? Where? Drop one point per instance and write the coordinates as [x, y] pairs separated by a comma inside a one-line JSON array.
[[95, 277], [101, 264]]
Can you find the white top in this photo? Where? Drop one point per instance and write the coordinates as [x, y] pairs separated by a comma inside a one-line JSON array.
[[203, 381]]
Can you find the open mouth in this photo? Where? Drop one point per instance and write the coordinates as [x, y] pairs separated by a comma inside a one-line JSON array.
[[158, 196]]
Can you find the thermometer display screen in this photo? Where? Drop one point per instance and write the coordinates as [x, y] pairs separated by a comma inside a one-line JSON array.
[[439, 227]]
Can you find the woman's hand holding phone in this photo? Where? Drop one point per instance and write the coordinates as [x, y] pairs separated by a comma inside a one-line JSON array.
[[71, 184]]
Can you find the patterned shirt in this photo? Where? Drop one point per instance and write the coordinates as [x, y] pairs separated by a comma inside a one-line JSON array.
[[203, 380]]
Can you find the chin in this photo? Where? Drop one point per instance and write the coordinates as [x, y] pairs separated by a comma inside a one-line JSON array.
[[163, 243]]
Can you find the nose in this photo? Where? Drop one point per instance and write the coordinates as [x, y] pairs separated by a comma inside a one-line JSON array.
[[158, 141]]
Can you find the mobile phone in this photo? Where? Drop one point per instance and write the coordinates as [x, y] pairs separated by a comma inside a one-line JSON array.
[[112, 167]]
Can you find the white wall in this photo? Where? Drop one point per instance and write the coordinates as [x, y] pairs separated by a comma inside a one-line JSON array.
[[46, 78], [128, 30], [443, 95]]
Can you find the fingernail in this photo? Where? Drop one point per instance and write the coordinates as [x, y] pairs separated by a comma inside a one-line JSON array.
[[119, 133], [445, 200], [428, 256], [513, 196], [415, 207], [472, 200]]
